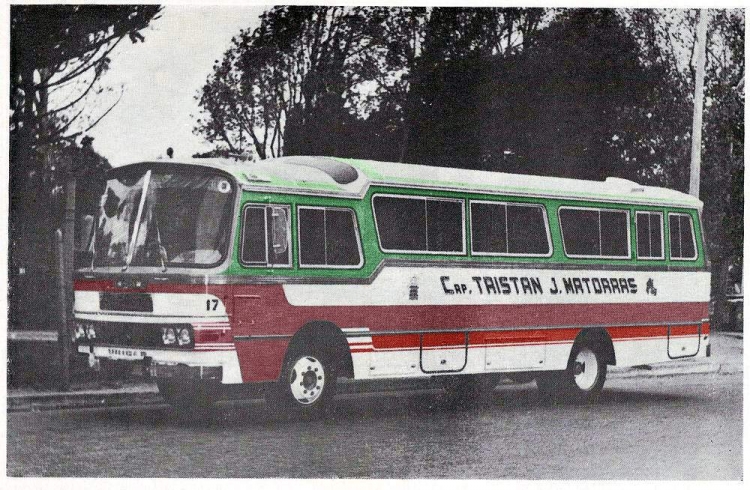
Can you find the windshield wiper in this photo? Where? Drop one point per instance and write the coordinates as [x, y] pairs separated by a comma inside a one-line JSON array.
[[137, 221], [162, 250]]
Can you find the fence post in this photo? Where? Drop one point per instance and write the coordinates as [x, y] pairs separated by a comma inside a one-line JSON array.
[[65, 244], [63, 337]]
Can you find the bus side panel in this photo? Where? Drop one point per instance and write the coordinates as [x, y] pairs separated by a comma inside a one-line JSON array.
[[265, 321], [261, 360]]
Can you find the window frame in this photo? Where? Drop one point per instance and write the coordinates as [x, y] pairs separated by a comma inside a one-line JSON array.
[[661, 224], [629, 256], [265, 207], [353, 214], [509, 254], [422, 198], [692, 234]]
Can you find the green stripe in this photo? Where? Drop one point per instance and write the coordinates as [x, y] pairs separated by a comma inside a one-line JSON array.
[[374, 256]]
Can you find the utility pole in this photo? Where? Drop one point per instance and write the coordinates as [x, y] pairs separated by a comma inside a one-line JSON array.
[[700, 71]]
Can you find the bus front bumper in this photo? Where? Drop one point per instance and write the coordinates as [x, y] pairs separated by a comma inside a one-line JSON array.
[[172, 364]]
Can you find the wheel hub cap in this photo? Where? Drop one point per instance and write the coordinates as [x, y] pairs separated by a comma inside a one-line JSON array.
[[307, 380], [585, 369]]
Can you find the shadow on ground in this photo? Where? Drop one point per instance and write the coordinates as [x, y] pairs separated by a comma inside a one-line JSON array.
[[361, 407]]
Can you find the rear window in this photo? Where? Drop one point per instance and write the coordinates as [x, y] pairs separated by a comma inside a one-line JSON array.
[[328, 237], [681, 237], [419, 224], [595, 233], [509, 229]]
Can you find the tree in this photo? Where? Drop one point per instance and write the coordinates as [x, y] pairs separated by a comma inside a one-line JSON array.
[[58, 55], [55, 47], [66, 49]]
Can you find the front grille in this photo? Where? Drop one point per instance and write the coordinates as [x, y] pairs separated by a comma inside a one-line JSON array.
[[135, 334], [137, 302]]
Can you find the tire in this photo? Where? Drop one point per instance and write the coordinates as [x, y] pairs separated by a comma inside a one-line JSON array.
[[306, 386], [581, 382], [191, 402]]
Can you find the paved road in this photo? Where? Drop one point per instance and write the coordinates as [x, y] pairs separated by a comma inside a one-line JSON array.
[[682, 427]]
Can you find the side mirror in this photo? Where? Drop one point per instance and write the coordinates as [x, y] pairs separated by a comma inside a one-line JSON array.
[[279, 225]]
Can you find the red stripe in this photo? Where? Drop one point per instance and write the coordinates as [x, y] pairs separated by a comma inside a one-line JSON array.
[[454, 340]]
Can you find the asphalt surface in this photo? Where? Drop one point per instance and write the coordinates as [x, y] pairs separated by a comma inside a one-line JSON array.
[[673, 427]]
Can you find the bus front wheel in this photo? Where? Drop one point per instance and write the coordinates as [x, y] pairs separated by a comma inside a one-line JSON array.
[[306, 386], [582, 381]]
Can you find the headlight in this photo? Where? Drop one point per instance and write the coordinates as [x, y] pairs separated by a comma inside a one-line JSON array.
[[184, 336], [90, 332], [168, 336], [79, 332]]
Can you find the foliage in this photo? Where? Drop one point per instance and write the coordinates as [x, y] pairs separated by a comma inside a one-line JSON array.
[[64, 48], [583, 93]]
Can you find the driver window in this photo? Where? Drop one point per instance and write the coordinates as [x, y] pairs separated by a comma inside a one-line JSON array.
[[266, 233]]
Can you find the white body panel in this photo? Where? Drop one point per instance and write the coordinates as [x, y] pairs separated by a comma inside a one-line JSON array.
[[391, 287]]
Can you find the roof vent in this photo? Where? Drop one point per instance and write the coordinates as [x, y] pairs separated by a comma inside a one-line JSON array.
[[341, 172], [254, 178]]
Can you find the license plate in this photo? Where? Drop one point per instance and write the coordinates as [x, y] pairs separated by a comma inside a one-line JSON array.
[[119, 353]]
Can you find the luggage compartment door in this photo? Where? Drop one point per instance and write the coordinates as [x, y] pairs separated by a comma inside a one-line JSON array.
[[443, 352], [514, 351], [683, 340]]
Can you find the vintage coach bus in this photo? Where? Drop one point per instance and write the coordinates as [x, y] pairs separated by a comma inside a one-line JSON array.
[[295, 271]]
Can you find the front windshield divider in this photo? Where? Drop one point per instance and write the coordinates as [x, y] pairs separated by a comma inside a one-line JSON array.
[[133, 242], [162, 250]]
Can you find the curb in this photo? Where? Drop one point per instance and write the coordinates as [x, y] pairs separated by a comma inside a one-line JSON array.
[[60, 401]]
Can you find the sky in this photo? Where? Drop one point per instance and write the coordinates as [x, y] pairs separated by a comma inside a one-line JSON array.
[[161, 77]]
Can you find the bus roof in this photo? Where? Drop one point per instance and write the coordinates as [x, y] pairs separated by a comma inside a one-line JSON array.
[[352, 177]]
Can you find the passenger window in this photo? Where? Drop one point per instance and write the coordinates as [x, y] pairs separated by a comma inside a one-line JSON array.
[[265, 236], [509, 229], [649, 231], [418, 224], [681, 237], [328, 237], [593, 233]]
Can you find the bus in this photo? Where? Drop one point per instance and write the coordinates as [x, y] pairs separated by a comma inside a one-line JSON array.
[[293, 272]]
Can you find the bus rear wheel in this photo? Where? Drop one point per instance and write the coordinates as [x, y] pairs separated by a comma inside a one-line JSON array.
[[306, 386], [581, 382]]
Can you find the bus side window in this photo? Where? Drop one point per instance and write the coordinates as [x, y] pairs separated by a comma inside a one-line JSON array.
[[328, 237], [265, 236], [681, 237]]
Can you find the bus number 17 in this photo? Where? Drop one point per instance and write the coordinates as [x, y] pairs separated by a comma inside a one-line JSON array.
[[211, 304]]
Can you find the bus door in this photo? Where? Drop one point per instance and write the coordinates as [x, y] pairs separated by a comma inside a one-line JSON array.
[[683, 340], [443, 352]]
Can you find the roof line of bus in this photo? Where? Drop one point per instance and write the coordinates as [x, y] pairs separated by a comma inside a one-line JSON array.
[[250, 177]]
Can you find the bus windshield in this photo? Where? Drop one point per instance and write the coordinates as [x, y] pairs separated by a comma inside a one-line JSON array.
[[163, 218]]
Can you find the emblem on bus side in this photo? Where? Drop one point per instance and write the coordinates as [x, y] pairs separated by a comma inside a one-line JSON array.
[[650, 289], [413, 289]]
